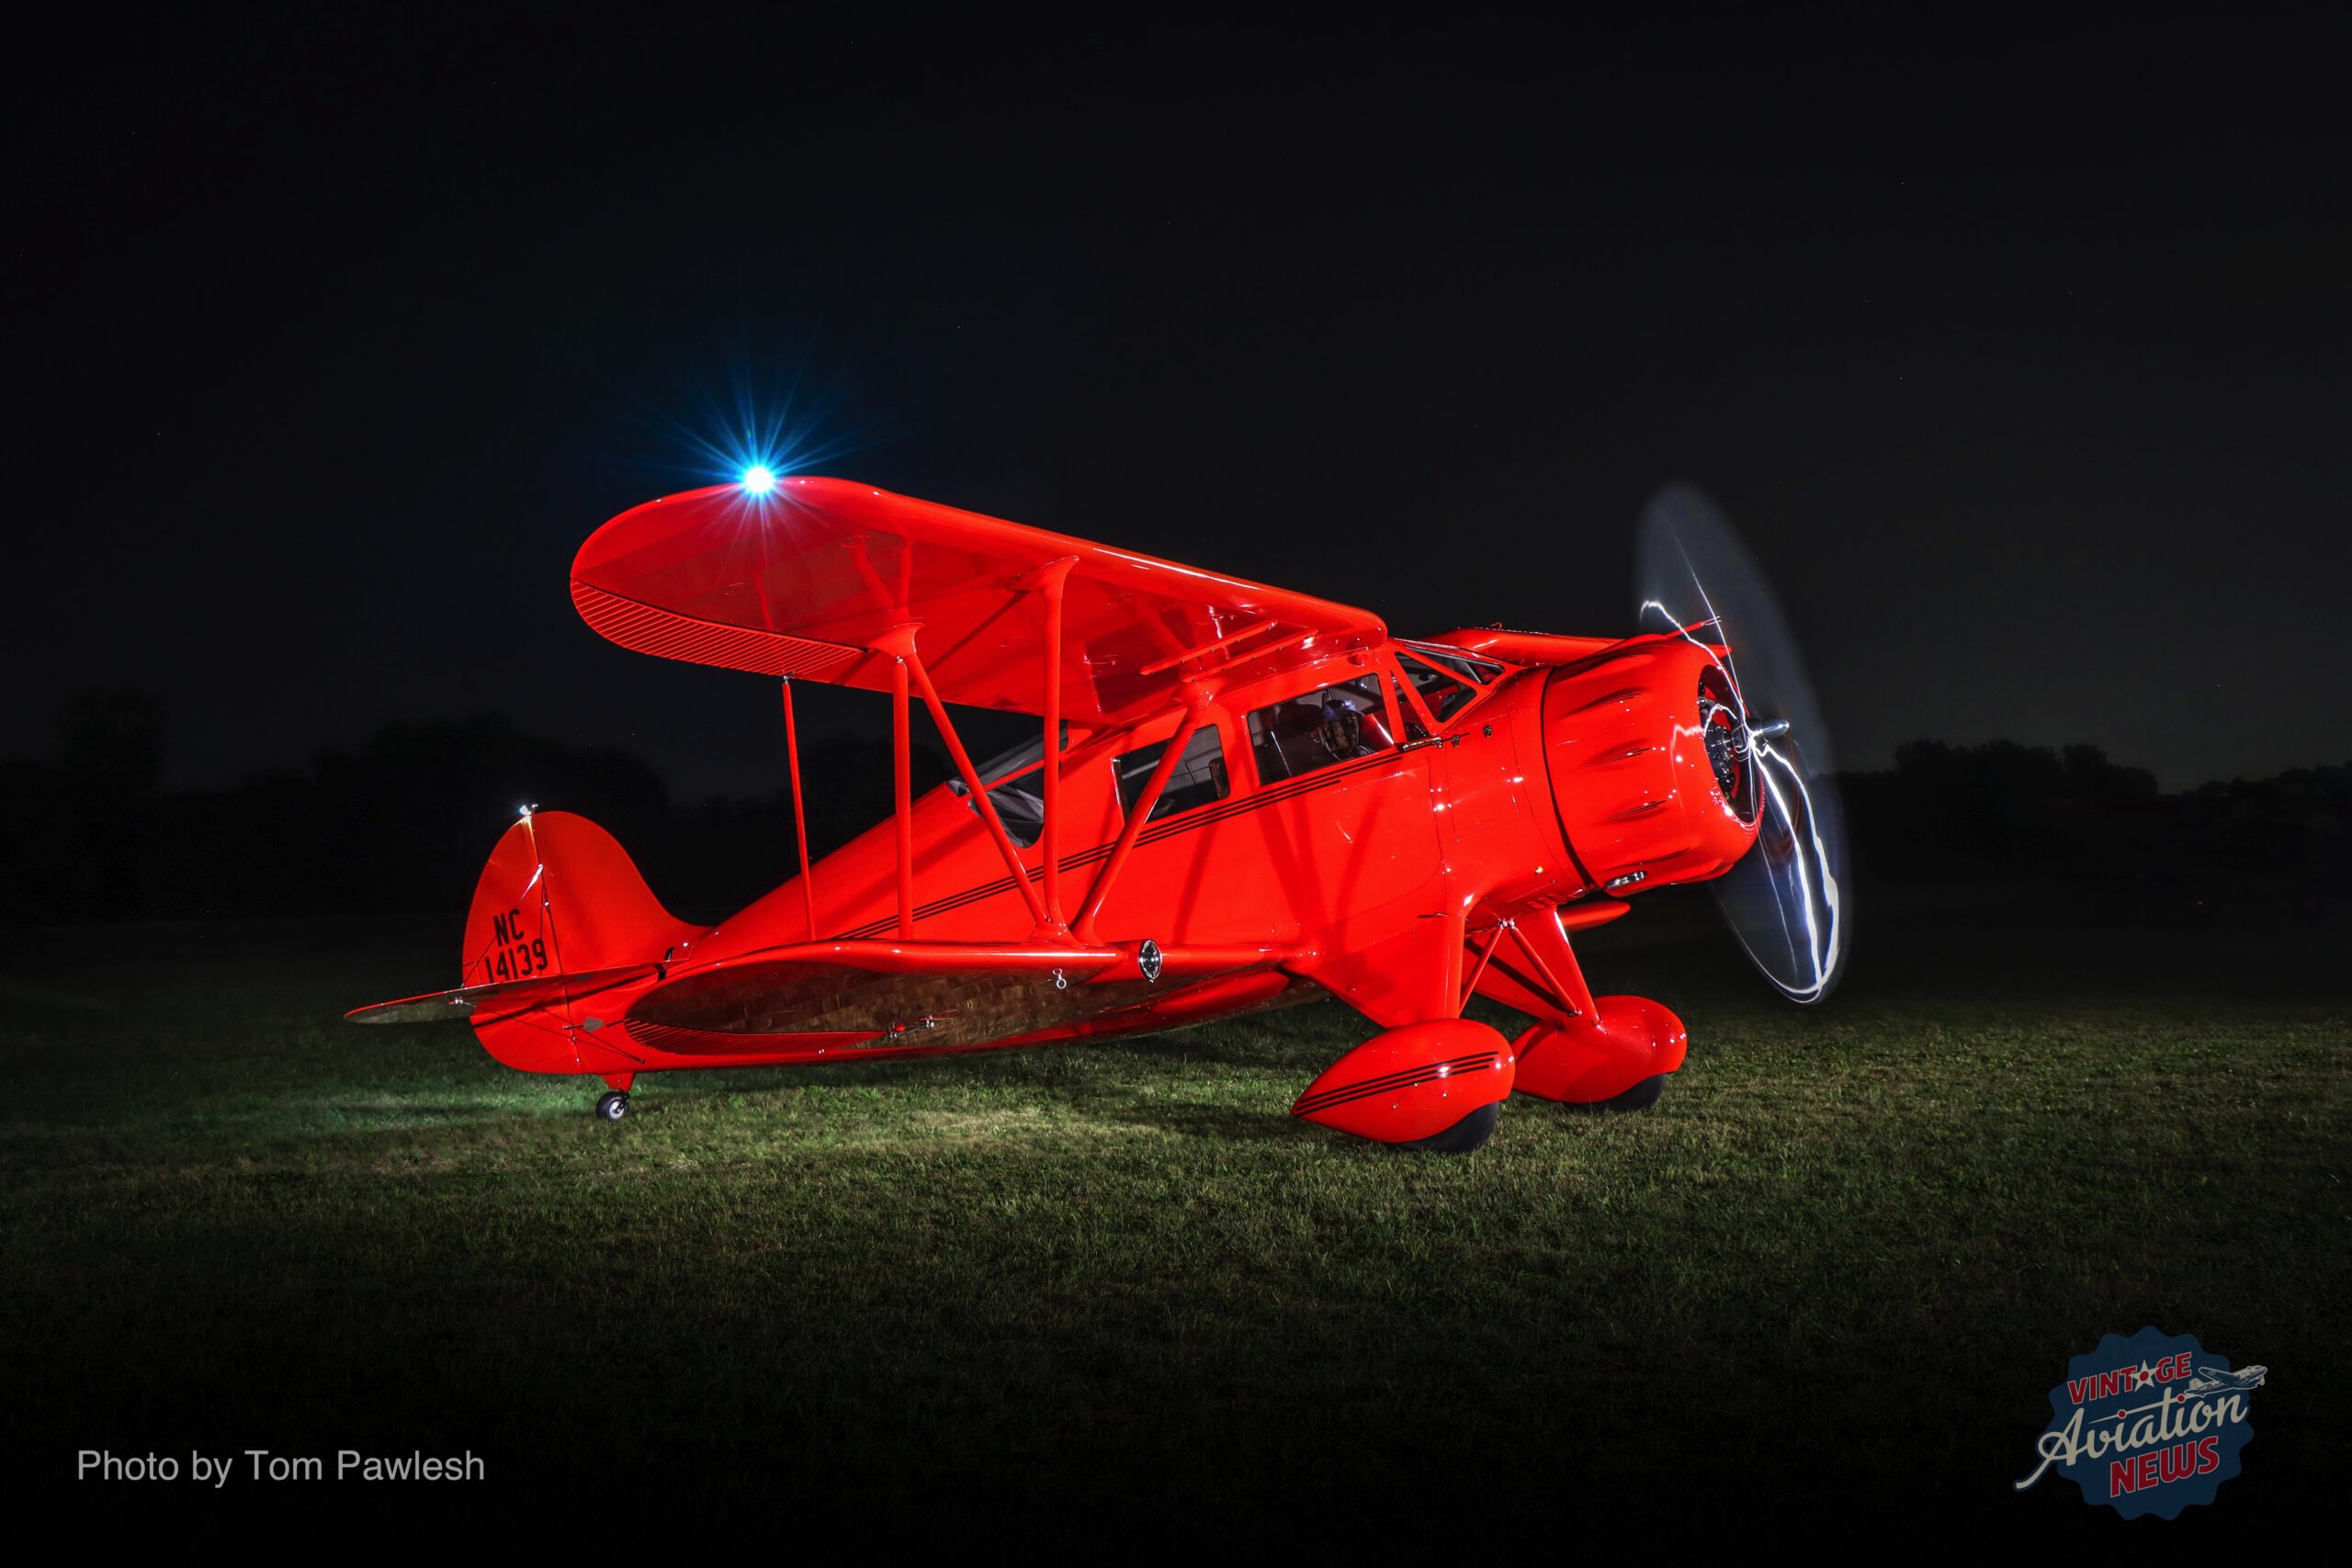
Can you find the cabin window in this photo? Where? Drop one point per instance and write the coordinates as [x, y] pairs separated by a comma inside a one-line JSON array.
[[1446, 682], [1019, 801], [1200, 776], [1317, 729]]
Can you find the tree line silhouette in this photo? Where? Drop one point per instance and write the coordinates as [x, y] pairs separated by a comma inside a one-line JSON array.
[[402, 822]]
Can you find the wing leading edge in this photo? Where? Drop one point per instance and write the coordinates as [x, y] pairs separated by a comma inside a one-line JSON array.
[[807, 580]]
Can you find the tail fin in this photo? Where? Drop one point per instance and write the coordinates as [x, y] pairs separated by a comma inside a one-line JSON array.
[[560, 897], [563, 932]]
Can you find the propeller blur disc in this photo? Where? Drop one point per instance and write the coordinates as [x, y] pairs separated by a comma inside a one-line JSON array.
[[1786, 898]]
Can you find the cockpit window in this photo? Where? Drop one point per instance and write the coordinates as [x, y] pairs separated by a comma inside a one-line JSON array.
[[1019, 801], [1026, 755], [1446, 690], [1200, 776], [1316, 729]]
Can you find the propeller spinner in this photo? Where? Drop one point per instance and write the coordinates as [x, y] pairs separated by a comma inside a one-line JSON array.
[[1786, 898]]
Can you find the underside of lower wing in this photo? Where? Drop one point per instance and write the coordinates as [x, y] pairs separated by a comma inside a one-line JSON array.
[[1012, 1021], [837, 995], [821, 1001]]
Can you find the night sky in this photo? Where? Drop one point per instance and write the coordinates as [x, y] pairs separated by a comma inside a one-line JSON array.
[[2023, 360]]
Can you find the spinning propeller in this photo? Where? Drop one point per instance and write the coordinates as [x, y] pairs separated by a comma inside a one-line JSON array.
[[1786, 898]]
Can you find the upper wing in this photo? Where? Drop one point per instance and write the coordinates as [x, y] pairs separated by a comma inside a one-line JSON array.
[[803, 581]]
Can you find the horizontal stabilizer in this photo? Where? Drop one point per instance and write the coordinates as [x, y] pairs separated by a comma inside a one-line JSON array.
[[499, 1000]]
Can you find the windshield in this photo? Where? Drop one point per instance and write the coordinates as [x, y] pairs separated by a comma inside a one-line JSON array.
[[1447, 682]]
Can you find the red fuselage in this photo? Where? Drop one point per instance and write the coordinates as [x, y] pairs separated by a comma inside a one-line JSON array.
[[1570, 787]]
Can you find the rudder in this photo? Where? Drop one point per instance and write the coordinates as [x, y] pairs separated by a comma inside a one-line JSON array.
[[559, 897]]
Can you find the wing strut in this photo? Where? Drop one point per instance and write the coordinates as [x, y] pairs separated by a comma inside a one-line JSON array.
[[1545, 932], [1486, 956], [901, 641], [898, 645], [902, 791], [1196, 702], [1052, 579], [800, 816]]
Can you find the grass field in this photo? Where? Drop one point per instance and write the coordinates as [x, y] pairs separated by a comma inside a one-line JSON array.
[[1831, 1276]]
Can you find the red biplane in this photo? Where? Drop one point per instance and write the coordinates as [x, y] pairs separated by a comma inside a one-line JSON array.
[[1240, 799]]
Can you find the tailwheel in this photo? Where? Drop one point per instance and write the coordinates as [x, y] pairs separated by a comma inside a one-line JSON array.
[[612, 1105], [1465, 1135]]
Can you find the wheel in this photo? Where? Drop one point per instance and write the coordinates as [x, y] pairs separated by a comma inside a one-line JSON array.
[[1461, 1137], [1641, 1096], [612, 1105]]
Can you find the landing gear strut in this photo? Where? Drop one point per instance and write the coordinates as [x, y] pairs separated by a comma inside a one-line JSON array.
[[612, 1105]]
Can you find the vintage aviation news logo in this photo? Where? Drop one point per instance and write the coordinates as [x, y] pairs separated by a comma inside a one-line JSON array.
[[2147, 1425]]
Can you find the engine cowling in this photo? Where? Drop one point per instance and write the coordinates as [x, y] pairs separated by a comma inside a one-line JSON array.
[[1648, 768]]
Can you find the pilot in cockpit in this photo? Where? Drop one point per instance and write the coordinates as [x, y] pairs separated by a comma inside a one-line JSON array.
[[1351, 725]]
